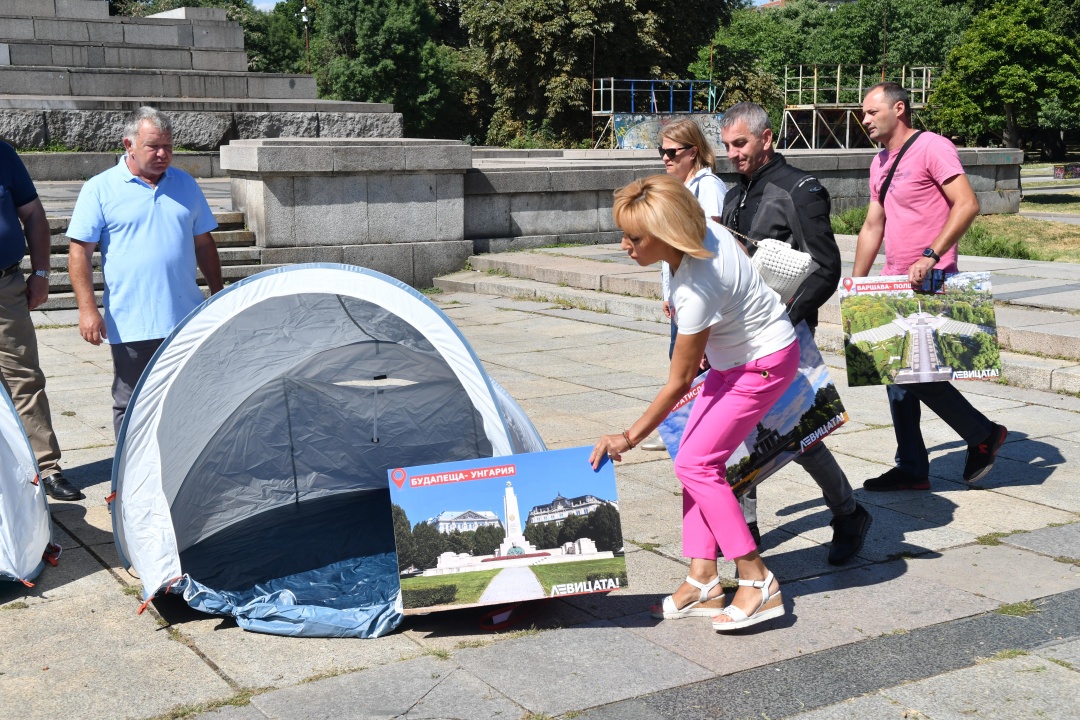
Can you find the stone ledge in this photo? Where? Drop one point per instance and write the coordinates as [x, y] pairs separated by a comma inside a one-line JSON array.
[[328, 156]]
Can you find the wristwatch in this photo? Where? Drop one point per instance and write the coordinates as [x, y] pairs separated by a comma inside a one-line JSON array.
[[929, 252], [42, 274]]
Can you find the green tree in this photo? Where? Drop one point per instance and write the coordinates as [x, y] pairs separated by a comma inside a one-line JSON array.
[[487, 539], [384, 51], [1009, 66], [403, 537], [428, 545], [538, 54], [605, 528]]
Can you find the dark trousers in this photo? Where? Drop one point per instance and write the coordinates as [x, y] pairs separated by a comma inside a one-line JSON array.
[[674, 332], [947, 403], [129, 361]]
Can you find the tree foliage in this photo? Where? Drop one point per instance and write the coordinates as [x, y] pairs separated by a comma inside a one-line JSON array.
[[537, 55], [1011, 72]]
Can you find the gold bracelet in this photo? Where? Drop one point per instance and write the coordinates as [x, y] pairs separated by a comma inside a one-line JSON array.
[[626, 437]]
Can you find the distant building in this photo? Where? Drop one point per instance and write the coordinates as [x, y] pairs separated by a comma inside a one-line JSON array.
[[561, 508], [451, 520]]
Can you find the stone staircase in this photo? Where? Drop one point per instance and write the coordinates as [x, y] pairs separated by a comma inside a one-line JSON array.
[[69, 74], [1038, 322], [240, 258]]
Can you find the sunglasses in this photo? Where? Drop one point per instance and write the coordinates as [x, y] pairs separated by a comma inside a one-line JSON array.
[[670, 153]]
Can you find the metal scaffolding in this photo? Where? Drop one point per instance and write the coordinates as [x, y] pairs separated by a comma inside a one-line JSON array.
[[823, 103]]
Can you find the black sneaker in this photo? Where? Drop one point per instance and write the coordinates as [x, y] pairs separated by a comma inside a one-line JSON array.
[[897, 479], [849, 532], [980, 458]]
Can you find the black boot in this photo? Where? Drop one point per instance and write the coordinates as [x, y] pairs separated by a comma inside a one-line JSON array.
[[849, 532]]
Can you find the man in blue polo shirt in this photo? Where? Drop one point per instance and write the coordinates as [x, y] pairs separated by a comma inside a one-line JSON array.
[[153, 225], [23, 223]]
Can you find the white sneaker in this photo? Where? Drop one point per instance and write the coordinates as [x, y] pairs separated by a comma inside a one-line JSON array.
[[653, 443]]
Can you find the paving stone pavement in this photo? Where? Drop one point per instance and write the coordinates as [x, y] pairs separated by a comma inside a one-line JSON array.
[[912, 625]]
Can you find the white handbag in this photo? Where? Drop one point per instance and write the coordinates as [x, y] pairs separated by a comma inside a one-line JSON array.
[[783, 268]]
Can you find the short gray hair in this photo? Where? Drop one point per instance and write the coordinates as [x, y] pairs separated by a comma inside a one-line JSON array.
[[146, 114], [756, 118]]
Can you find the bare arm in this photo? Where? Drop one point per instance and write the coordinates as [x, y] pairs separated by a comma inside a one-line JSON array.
[[869, 242], [39, 242], [81, 272], [206, 256], [964, 208], [684, 368]]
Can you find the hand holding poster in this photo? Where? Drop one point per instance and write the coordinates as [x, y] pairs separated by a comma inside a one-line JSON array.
[[499, 530], [809, 410], [894, 335]]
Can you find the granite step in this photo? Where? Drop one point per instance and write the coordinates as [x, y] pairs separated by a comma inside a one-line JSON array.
[[39, 53], [1041, 344], [146, 84], [80, 9], [164, 32]]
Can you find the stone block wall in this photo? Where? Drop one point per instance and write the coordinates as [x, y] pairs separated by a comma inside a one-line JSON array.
[[392, 205]]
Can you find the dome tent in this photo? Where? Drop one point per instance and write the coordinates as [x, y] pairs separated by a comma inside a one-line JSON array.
[[250, 471], [25, 526]]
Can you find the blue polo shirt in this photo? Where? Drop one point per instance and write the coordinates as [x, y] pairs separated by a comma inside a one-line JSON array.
[[16, 189], [146, 237]]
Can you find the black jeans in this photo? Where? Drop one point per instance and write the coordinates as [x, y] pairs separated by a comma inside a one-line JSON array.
[[947, 403]]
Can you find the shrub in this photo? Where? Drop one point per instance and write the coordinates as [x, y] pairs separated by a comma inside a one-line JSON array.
[[979, 241], [849, 222], [429, 597]]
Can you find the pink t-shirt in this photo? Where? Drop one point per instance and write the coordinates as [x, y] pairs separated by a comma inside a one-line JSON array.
[[916, 207]]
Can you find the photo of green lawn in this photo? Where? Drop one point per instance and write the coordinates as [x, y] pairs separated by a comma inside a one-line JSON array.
[[575, 572], [453, 589]]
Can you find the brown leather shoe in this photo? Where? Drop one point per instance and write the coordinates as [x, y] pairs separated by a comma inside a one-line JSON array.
[[58, 488]]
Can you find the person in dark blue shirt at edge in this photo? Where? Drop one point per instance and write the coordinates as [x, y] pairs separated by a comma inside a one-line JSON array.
[[23, 225]]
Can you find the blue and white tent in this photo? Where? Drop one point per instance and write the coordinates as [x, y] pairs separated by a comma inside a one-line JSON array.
[[250, 472], [25, 527]]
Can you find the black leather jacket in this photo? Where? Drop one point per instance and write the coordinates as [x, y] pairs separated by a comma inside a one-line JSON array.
[[783, 202]]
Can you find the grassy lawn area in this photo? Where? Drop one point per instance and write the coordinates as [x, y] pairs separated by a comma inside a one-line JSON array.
[[1052, 203], [557, 574], [470, 585], [1049, 183], [1021, 237]]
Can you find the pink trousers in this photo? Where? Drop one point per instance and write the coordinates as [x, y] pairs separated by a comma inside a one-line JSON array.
[[731, 404]]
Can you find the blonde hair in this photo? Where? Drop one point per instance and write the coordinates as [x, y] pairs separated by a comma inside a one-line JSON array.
[[687, 132], [661, 207]]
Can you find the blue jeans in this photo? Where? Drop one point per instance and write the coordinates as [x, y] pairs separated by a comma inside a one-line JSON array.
[[947, 403]]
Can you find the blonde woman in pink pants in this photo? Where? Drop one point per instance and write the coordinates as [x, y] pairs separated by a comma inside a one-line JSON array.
[[726, 312]]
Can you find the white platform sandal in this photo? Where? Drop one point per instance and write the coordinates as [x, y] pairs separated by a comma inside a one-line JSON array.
[[704, 606], [771, 606]]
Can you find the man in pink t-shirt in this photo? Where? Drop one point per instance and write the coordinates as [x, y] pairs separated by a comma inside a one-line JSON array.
[[928, 205]]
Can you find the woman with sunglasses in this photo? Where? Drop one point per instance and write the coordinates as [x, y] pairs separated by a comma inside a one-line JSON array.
[[688, 156], [727, 312]]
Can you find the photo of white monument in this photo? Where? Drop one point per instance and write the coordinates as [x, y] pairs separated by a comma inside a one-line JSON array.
[[504, 559]]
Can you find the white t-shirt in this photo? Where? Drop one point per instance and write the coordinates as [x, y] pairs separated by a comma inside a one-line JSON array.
[[727, 294], [709, 191]]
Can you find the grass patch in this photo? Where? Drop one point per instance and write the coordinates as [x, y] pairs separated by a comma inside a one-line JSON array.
[[14, 606], [55, 326], [497, 271], [850, 221], [132, 590], [332, 672], [1067, 560], [528, 632], [240, 699], [68, 413], [1048, 183], [571, 572], [466, 644], [1009, 654], [1020, 609], [651, 547], [993, 538], [439, 653], [1063, 663], [1052, 203], [470, 585], [568, 304], [1014, 236], [432, 291]]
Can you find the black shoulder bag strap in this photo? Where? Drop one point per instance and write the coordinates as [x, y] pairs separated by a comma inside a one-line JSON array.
[[892, 170]]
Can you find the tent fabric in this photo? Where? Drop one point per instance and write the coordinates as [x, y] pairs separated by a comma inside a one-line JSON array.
[[250, 470], [25, 526]]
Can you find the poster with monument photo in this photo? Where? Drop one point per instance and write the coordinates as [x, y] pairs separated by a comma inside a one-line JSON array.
[[892, 334], [506, 529], [808, 410]]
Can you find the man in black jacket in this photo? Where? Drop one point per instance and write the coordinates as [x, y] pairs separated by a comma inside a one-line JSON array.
[[775, 200]]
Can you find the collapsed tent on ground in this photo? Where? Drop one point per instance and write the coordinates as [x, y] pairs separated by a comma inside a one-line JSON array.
[[251, 468], [25, 527]]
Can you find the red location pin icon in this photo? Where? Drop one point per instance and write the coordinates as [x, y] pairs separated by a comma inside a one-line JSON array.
[[848, 282], [398, 476]]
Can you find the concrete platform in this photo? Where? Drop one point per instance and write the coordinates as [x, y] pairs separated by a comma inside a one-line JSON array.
[[915, 624]]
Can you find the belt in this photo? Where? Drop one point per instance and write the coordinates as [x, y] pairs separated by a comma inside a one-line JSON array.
[[9, 270]]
